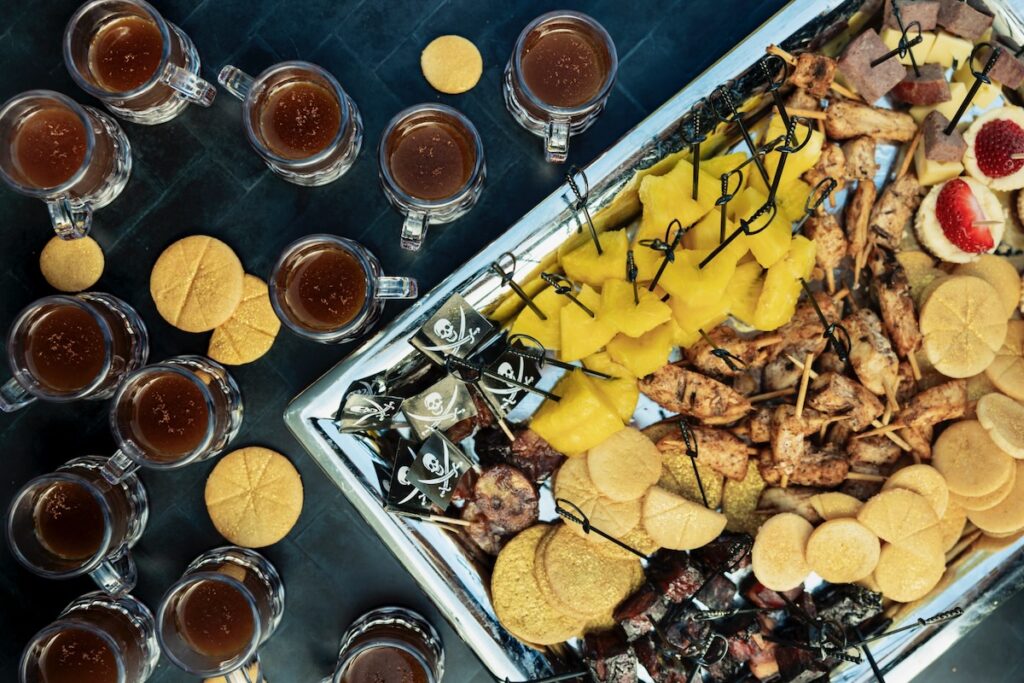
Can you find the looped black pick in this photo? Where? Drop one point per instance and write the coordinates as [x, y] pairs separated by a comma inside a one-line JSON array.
[[691, 447], [919, 623], [563, 286], [732, 115], [785, 149], [539, 354], [577, 516], [667, 247], [730, 359], [632, 272], [723, 201], [905, 45], [776, 77], [767, 209], [819, 193], [980, 77], [581, 201], [506, 279], [838, 336], [694, 141], [716, 647]]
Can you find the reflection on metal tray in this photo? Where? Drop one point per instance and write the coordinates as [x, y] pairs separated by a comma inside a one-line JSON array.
[[441, 566]]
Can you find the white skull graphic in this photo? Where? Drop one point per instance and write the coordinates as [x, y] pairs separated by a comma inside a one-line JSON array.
[[506, 370], [434, 403], [445, 330], [403, 476], [432, 464]]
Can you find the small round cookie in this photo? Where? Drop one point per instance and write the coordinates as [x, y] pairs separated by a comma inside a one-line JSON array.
[[1007, 369], [254, 497], [624, 465], [842, 551], [1003, 419], [835, 505], [998, 272], [1007, 516], [451, 64], [250, 331], [905, 576], [778, 557], [952, 524], [677, 523], [71, 265], [197, 283], [518, 602], [924, 480], [963, 324], [897, 514], [989, 500], [972, 464], [573, 483]]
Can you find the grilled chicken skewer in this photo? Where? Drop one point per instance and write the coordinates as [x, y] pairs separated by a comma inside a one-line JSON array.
[[801, 335], [871, 354], [752, 353], [830, 245], [718, 449], [891, 288], [687, 392]]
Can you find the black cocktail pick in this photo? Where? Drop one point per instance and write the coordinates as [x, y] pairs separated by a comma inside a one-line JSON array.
[[577, 516], [776, 78], [714, 614], [563, 286], [905, 45], [470, 371], [506, 279], [838, 336], [632, 272], [698, 137], [980, 77], [870, 657], [919, 623], [819, 193], [723, 201], [730, 359], [691, 448], [667, 247], [581, 201], [539, 353], [732, 115], [553, 679], [785, 150], [767, 209]]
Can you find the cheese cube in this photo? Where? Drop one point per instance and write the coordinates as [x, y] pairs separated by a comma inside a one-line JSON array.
[[948, 48], [930, 172], [957, 93], [891, 38], [987, 93]]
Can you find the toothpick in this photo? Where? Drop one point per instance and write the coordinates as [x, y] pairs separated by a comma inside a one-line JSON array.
[[905, 164], [861, 476], [841, 294], [439, 520], [846, 92], [884, 429], [772, 394], [779, 52], [987, 222], [830, 279], [804, 380], [806, 113], [784, 482], [770, 340], [914, 368], [890, 395], [1017, 156]]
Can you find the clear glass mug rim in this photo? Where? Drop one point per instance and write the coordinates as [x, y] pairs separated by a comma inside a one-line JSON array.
[[172, 594], [250, 99], [517, 65], [127, 445], [25, 378], [108, 523], [90, 143], [165, 52], [350, 655], [358, 252], [385, 167], [68, 622]]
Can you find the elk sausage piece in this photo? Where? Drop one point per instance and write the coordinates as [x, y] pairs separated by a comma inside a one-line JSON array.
[[937, 145], [871, 82], [926, 86], [507, 498], [924, 12], [965, 19]]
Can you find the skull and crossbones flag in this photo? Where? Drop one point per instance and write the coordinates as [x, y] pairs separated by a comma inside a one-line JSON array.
[[438, 468], [439, 407], [403, 493], [517, 367], [455, 329], [361, 412]]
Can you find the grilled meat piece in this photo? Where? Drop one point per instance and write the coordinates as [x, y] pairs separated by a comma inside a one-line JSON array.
[[1009, 67], [924, 12], [762, 662], [730, 549], [716, 448], [609, 657], [829, 240], [801, 98], [795, 499], [718, 593], [871, 354], [674, 574], [463, 491], [965, 19], [870, 81], [639, 613], [836, 394], [926, 86], [724, 670], [946, 401], [481, 531], [529, 451], [891, 288], [813, 467], [846, 119], [831, 164], [686, 635], [760, 421], [858, 215], [848, 604], [814, 72], [937, 145], [920, 440], [874, 451], [662, 666], [896, 206], [801, 335], [690, 393], [797, 665], [701, 354], [766, 598], [505, 495], [461, 430], [860, 158]]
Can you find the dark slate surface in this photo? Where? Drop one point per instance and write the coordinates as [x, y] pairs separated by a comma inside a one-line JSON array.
[[197, 175]]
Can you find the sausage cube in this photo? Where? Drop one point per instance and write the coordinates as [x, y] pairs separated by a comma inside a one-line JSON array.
[[855, 66], [965, 19], [924, 12], [937, 145]]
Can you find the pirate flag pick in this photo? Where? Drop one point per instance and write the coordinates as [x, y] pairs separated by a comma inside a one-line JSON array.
[[439, 407], [438, 468], [403, 494], [667, 247], [362, 412], [513, 370], [506, 279], [455, 329], [980, 77], [581, 202]]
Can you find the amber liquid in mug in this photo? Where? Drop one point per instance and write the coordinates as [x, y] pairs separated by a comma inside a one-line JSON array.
[[49, 147], [215, 619], [77, 656], [298, 119], [564, 64], [64, 349], [384, 665], [125, 53], [431, 156], [169, 417], [69, 521], [324, 287]]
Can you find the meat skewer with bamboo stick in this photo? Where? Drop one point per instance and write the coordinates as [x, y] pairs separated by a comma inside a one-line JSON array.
[[751, 353], [891, 289], [830, 245], [801, 335], [690, 393]]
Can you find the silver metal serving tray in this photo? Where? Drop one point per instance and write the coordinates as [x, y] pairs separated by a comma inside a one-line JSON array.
[[452, 578]]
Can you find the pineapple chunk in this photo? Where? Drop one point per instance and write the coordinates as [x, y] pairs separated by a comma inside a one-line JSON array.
[[623, 391], [801, 257], [627, 317], [796, 163], [777, 302], [771, 243], [947, 49], [957, 93], [931, 172], [581, 334], [647, 262], [668, 197], [792, 199], [891, 38], [583, 264], [707, 235], [547, 332], [987, 93], [582, 419], [716, 166], [744, 289], [685, 280], [642, 355]]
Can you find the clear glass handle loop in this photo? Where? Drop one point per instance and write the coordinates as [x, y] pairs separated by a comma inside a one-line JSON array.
[[117, 574], [250, 672], [69, 222], [397, 288], [556, 141], [195, 89], [235, 81], [13, 396], [118, 468], [414, 230]]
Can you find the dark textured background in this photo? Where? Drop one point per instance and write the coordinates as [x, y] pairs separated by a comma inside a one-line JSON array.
[[197, 174]]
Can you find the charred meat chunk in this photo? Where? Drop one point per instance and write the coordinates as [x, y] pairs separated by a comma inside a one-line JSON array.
[[923, 12], [729, 552], [965, 19], [848, 604], [675, 575], [870, 82], [764, 597], [814, 73], [639, 613], [937, 145], [926, 86], [507, 498], [718, 592], [529, 451], [610, 657]]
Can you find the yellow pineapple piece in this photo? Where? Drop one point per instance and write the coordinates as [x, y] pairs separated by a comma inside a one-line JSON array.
[[583, 264], [627, 317], [692, 315], [642, 355], [622, 391], [801, 257], [668, 197], [707, 233], [796, 163], [647, 262], [744, 289], [547, 332], [792, 199], [772, 242], [716, 166], [583, 418], [777, 302], [684, 279], [581, 334]]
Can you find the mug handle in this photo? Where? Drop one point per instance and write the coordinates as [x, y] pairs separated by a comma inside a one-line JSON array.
[[556, 141], [117, 574], [118, 468], [68, 222], [195, 89], [13, 396], [414, 229], [235, 81], [250, 672], [389, 287]]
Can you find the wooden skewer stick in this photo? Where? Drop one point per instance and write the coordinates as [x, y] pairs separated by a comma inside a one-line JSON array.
[[846, 92], [905, 164], [914, 367], [890, 395], [887, 415], [806, 113], [884, 429], [1017, 156], [862, 476], [772, 394], [771, 340], [987, 222], [830, 279], [805, 379], [841, 294], [779, 52]]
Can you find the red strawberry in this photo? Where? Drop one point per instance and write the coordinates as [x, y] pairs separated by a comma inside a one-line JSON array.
[[996, 142], [957, 209]]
